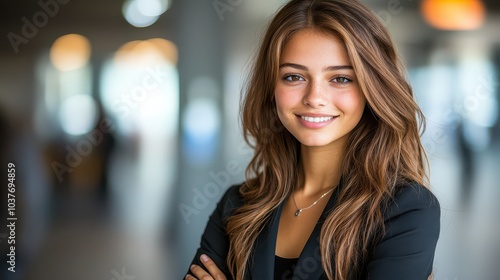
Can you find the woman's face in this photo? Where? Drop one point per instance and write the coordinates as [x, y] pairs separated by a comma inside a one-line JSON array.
[[317, 95]]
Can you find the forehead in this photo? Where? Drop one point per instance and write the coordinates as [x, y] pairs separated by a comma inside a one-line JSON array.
[[314, 46]]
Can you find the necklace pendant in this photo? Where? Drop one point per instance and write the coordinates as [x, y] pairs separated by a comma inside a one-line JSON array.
[[297, 213]]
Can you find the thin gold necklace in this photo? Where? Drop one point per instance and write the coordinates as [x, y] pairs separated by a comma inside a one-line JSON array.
[[299, 210]]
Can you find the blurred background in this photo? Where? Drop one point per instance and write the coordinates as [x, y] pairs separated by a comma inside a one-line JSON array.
[[121, 118]]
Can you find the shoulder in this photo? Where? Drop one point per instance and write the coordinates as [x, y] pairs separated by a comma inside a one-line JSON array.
[[230, 201], [413, 207], [412, 224], [412, 197]]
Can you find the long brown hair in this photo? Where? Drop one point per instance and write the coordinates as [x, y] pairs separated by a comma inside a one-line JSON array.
[[384, 150]]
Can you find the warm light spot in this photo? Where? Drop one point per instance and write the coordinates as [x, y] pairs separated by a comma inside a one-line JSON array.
[[141, 53], [167, 48], [454, 14], [147, 52], [146, 49], [125, 51], [70, 52]]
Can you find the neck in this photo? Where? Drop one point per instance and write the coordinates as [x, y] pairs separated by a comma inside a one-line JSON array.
[[321, 168]]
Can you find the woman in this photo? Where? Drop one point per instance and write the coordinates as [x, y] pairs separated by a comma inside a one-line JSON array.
[[336, 187]]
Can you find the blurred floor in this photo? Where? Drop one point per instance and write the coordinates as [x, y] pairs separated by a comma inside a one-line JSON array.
[[90, 238], [84, 243]]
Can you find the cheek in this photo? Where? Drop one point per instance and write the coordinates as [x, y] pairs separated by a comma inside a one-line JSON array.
[[283, 100], [352, 103]]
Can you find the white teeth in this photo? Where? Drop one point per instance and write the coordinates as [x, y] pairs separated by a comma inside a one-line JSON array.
[[316, 120]]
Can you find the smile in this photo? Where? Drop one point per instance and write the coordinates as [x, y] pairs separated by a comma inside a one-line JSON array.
[[316, 120]]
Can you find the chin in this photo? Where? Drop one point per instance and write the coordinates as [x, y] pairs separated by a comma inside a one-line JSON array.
[[314, 142]]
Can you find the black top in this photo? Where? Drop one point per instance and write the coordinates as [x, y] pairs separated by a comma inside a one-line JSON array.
[[406, 251], [283, 268]]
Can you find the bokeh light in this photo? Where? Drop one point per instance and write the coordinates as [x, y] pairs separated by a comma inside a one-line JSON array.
[[201, 119], [70, 52], [135, 17], [152, 7], [147, 51], [78, 114], [454, 14]]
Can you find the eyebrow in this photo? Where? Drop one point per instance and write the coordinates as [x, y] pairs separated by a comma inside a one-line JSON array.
[[329, 68]]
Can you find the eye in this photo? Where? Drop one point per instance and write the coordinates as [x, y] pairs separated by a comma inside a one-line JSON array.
[[293, 78], [342, 80]]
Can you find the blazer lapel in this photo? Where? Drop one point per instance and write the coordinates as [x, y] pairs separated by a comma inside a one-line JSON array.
[[309, 263], [264, 250]]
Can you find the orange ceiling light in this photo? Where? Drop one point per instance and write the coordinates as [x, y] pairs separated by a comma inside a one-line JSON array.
[[454, 14]]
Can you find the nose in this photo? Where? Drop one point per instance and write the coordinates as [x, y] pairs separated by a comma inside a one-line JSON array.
[[315, 96]]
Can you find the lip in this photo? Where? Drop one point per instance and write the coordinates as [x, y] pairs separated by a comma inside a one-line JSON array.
[[315, 125]]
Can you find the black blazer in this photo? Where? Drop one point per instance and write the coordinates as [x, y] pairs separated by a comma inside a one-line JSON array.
[[406, 251]]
